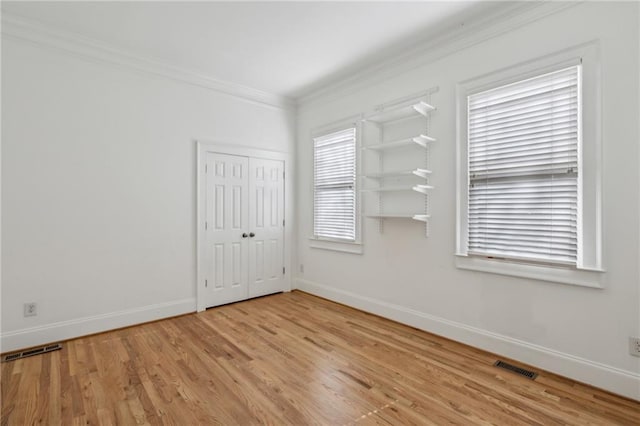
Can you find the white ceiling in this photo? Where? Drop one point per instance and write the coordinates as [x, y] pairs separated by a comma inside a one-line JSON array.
[[283, 48]]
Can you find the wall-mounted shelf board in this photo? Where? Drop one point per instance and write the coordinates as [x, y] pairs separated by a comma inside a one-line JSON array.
[[423, 173], [388, 189], [395, 173], [399, 173], [421, 140], [391, 216], [421, 217], [397, 113], [423, 189]]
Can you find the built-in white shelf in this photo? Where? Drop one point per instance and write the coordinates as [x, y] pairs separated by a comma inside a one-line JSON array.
[[423, 173], [420, 108], [420, 140], [421, 217], [423, 189]]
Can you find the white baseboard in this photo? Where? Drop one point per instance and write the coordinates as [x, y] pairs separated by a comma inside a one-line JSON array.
[[622, 382], [64, 330]]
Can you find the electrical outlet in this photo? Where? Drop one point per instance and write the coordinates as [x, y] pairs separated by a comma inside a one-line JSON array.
[[30, 309], [301, 268], [634, 346]]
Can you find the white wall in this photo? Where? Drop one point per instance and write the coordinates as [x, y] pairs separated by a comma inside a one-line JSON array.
[[576, 331], [99, 189]]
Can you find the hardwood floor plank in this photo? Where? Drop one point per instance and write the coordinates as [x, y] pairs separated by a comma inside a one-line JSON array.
[[55, 407], [288, 359]]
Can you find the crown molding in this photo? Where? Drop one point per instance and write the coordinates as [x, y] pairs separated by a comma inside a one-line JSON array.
[[487, 26], [26, 30]]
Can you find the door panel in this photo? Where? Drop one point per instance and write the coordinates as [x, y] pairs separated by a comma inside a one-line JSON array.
[[266, 215], [227, 219], [243, 196]]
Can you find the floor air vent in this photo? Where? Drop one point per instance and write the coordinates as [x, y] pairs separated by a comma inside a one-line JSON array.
[[30, 352], [521, 371]]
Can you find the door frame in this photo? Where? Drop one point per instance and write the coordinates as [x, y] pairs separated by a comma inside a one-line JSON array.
[[203, 147]]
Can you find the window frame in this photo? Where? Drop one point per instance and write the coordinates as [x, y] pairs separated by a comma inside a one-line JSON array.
[[589, 266], [336, 244]]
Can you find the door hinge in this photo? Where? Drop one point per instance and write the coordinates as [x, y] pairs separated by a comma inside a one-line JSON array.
[[206, 225], [283, 270], [206, 168], [282, 222], [206, 283]]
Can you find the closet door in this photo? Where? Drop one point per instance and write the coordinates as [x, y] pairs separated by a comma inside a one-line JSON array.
[[266, 224], [227, 239]]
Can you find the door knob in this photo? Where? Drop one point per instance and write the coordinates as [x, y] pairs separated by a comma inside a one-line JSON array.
[[251, 234], [244, 235]]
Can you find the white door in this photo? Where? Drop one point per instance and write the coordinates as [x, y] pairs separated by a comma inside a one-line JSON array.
[[244, 228], [266, 225], [227, 221]]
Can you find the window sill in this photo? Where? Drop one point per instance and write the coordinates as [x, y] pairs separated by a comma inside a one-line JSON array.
[[342, 246], [578, 277]]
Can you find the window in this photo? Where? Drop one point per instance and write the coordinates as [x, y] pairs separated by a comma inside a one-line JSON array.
[[523, 143], [528, 170], [334, 186]]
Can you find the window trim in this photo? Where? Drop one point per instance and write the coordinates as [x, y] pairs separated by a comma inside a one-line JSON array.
[[588, 271], [336, 244]]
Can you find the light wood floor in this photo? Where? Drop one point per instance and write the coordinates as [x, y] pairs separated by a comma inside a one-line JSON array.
[[288, 359]]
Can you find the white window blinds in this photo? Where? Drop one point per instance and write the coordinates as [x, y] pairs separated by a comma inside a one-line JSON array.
[[523, 168], [334, 197]]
